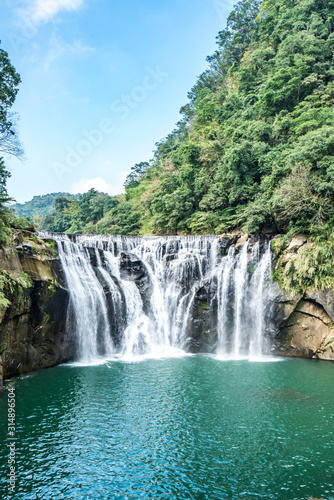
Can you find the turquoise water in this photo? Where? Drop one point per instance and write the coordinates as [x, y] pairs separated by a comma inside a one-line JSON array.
[[185, 428]]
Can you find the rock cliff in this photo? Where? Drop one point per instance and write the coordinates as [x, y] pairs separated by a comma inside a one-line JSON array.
[[33, 307], [305, 320]]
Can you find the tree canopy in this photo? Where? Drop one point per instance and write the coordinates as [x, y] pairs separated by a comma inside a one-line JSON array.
[[9, 82], [258, 118], [254, 148], [9, 144]]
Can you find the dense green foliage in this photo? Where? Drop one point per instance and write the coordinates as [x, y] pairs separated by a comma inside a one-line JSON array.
[[9, 81], [81, 213], [12, 286], [39, 206], [4, 198], [254, 150], [310, 269]]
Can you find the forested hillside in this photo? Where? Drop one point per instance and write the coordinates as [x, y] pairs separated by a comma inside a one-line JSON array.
[[39, 206], [78, 214], [254, 148]]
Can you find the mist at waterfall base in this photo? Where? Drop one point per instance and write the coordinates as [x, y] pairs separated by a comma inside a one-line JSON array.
[[147, 310], [187, 428]]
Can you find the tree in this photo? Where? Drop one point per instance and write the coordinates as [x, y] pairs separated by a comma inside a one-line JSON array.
[[61, 203], [4, 174], [302, 201], [122, 219], [9, 82], [137, 171]]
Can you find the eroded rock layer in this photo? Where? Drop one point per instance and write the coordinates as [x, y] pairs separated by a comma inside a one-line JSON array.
[[33, 333]]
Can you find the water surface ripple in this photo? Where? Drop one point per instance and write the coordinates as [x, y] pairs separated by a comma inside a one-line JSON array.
[[175, 429]]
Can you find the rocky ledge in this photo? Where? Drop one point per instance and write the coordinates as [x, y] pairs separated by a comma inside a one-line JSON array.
[[33, 307], [305, 321]]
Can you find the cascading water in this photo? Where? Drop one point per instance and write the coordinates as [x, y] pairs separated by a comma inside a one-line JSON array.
[[244, 302], [133, 296], [88, 302]]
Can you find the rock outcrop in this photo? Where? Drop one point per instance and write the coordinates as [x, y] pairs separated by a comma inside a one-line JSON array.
[[305, 321], [33, 315], [203, 325]]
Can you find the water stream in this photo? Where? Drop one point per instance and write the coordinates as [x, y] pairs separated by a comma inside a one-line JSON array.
[[186, 427]]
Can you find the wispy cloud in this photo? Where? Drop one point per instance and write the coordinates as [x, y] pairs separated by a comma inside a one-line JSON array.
[[40, 11], [32, 14], [99, 184], [60, 48]]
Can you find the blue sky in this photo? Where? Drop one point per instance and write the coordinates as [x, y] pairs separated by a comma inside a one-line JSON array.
[[102, 82]]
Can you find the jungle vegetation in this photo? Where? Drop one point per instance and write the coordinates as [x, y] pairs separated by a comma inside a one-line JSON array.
[[254, 148]]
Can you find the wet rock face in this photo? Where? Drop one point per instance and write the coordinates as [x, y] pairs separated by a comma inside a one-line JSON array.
[[284, 305], [304, 328], [32, 328], [132, 267], [35, 337], [325, 299], [93, 256], [308, 332], [305, 321], [203, 323], [225, 242]]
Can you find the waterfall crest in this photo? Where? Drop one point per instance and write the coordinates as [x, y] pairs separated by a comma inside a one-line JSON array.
[[157, 296]]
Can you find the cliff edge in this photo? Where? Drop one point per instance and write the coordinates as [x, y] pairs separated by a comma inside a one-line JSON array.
[[33, 307]]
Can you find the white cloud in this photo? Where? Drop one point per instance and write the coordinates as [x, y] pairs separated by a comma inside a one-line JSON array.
[[41, 11], [97, 183], [60, 48]]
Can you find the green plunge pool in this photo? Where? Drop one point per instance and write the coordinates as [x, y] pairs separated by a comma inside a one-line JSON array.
[[177, 429]]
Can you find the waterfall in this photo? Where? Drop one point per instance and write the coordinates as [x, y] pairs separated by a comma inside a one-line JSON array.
[[87, 302], [244, 302], [137, 296]]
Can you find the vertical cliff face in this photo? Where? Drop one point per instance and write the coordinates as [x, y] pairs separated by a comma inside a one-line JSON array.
[[33, 307], [305, 321], [305, 325]]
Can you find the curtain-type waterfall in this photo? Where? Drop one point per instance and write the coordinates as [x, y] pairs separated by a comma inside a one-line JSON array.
[[135, 296]]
